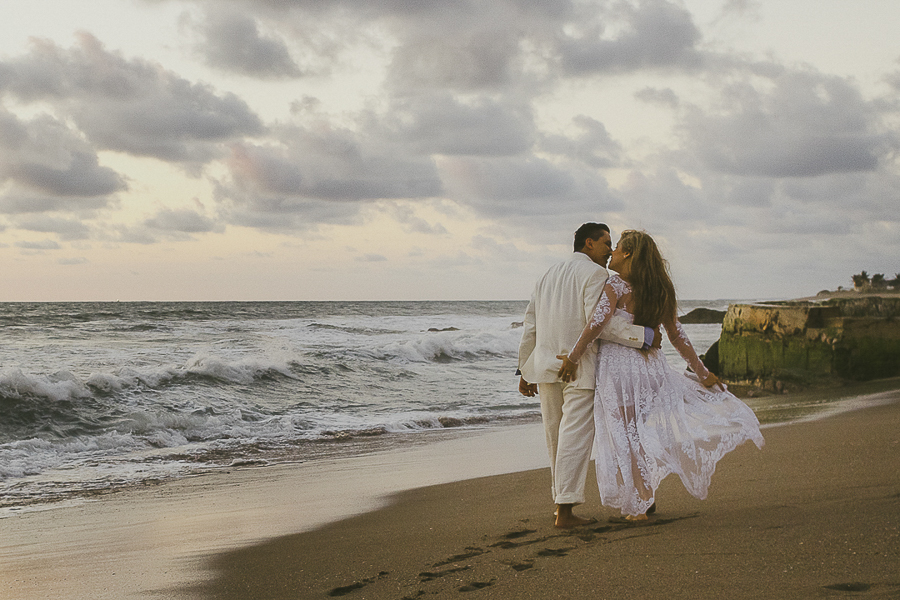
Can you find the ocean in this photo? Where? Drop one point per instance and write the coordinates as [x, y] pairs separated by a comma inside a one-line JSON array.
[[96, 396]]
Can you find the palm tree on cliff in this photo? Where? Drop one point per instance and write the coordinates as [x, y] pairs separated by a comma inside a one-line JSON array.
[[860, 281], [895, 282], [878, 281]]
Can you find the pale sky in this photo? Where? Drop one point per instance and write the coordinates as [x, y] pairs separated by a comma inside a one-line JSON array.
[[441, 149]]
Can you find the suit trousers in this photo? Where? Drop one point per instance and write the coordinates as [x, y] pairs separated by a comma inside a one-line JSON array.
[[568, 415]]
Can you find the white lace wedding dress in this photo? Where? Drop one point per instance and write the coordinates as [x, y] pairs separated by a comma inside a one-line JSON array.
[[652, 420]]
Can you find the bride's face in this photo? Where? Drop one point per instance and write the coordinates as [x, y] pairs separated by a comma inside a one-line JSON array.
[[619, 259]]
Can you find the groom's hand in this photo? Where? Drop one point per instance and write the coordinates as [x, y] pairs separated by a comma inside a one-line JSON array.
[[567, 370], [527, 389]]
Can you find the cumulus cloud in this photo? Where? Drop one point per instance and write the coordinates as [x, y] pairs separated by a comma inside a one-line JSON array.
[[658, 197], [232, 42], [72, 261], [319, 174], [40, 245], [173, 225], [750, 191], [441, 123], [67, 229], [182, 221], [283, 213], [501, 251], [523, 187], [462, 45], [405, 214], [50, 167], [650, 34], [741, 8], [139, 235], [17, 203], [330, 163], [465, 109], [592, 146], [799, 124], [132, 106], [475, 60], [664, 97]]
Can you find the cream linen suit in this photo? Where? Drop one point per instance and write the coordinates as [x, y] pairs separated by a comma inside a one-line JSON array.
[[561, 305]]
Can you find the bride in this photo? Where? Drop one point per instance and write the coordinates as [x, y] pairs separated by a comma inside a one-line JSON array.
[[651, 420]]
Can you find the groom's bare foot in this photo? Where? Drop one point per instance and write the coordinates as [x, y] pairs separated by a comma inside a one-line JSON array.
[[572, 521], [566, 520]]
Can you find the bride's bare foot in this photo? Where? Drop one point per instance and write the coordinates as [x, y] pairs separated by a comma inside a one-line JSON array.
[[635, 517], [566, 520]]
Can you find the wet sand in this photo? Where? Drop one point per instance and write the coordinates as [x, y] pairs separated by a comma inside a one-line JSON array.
[[149, 541], [815, 514]]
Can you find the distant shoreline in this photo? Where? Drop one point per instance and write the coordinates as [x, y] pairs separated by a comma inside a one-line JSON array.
[[828, 295]]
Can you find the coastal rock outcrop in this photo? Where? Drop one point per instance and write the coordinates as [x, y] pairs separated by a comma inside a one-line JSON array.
[[703, 315], [848, 338]]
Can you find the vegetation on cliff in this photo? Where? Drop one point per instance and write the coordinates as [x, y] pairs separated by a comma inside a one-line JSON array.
[[863, 283]]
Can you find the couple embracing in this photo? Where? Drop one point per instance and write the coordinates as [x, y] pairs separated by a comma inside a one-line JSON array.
[[620, 397]]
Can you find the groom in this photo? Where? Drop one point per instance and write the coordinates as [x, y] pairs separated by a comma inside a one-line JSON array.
[[561, 305]]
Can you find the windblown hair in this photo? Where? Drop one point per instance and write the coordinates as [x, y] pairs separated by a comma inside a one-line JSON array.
[[651, 284], [589, 230]]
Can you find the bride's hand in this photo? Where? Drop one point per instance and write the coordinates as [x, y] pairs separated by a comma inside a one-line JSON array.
[[711, 380], [568, 369]]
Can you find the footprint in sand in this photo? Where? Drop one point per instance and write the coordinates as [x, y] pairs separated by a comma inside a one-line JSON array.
[[849, 587], [432, 575], [554, 551], [506, 542], [477, 585], [472, 553], [513, 535], [346, 589]]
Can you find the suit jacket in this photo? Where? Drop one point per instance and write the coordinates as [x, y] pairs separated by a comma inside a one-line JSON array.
[[561, 305]]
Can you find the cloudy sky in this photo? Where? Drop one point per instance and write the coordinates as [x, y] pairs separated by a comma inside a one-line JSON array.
[[441, 149]]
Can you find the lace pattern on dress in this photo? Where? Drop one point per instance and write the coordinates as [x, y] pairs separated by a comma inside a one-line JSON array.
[[602, 312], [652, 421], [615, 288], [599, 318], [619, 285]]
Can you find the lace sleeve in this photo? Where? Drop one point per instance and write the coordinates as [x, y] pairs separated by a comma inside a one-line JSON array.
[[681, 342], [601, 313], [599, 318]]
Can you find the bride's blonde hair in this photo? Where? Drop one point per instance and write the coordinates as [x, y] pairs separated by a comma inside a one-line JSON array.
[[652, 288]]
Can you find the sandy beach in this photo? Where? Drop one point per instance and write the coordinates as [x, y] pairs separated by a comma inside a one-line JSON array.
[[812, 515]]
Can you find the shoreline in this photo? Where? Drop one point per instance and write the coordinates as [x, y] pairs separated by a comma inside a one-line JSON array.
[[161, 540], [305, 452], [811, 515], [140, 539], [771, 408]]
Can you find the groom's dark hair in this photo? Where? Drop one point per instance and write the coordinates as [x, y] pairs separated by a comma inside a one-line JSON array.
[[589, 230]]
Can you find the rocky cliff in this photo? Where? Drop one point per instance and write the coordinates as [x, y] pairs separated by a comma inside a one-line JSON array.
[[849, 338]]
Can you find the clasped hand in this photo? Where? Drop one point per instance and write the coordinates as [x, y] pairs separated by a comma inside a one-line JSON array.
[[567, 370]]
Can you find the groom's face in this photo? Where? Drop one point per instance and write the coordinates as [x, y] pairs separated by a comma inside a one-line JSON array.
[[599, 250]]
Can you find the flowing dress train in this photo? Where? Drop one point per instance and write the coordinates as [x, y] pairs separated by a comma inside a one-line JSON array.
[[652, 421]]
